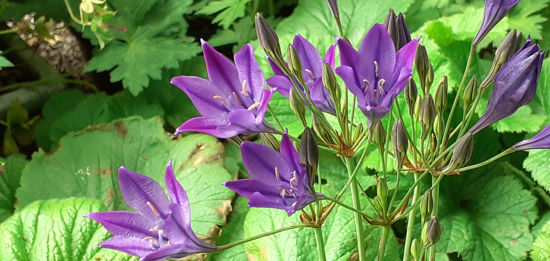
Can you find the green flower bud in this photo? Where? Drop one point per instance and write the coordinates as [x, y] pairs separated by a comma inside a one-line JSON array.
[[426, 205], [441, 95], [439, 127], [297, 106], [427, 115], [269, 41], [309, 154], [431, 233], [269, 140], [330, 82], [400, 142], [461, 153], [416, 249], [470, 94], [411, 94], [294, 63], [509, 46], [424, 68], [320, 130], [379, 135], [382, 189], [417, 106]]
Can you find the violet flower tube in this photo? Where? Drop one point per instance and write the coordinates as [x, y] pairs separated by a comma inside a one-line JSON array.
[[539, 141], [312, 70], [160, 228], [495, 10], [278, 180], [233, 101], [376, 74], [515, 85]]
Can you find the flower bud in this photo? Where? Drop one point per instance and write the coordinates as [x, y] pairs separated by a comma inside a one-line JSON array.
[[400, 142], [461, 153], [470, 94], [417, 107], [269, 140], [427, 115], [294, 63], [424, 68], [309, 154], [439, 127], [382, 189], [494, 11], [297, 106], [416, 249], [441, 95], [269, 41], [320, 130], [509, 46], [397, 29], [426, 206], [333, 4], [379, 135], [330, 82], [411, 93], [431, 233]]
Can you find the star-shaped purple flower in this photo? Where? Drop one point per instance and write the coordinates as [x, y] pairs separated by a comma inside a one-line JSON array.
[[278, 179], [495, 10], [312, 70], [233, 101], [515, 85], [539, 141], [160, 228], [376, 74]]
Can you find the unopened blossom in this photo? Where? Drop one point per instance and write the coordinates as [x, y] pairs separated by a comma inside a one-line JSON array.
[[515, 85], [397, 29], [495, 10], [376, 73], [312, 73], [278, 180], [539, 141], [161, 226], [232, 101]]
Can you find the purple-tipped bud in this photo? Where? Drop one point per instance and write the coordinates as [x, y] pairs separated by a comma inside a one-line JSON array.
[[400, 142], [397, 29], [505, 51], [495, 10], [515, 85], [269, 41], [431, 233], [309, 154], [539, 141], [333, 4], [424, 68], [462, 153]]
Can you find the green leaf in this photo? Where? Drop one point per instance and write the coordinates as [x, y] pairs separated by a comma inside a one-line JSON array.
[[56, 230], [537, 162], [229, 11], [543, 91], [233, 232], [10, 175], [242, 33], [4, 62], [86, 165], [486, 216], [525, 17], [541, 246]]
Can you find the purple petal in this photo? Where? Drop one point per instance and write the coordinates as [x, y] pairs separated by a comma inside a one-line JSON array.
[[261, 195], [250, 72], [217, 127], [405, 56], [377, 46], [129, 245], [288, 152], [175, 190], [201, 93], [124, 223], [243, 121], [329, 56], [172, 251], [143, 194], [264, 103], [260, 162], [348, 75], [494, 11], [221, 71], [309, 56], [348, 55], [282, 83], [275, 68], [179, 231], [539, 141]]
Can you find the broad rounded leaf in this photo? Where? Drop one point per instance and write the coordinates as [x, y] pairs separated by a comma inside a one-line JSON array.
[[537, 162], [541, 247], [10, 175]]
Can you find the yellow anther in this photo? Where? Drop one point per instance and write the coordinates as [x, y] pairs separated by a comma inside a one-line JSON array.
[[381, 86], [367, 85], [283, 192], [237, 98], [376, 68], [153, 240], [153, 209], [154, 229], [277, 174], [244, 88], [310, 73], [253, 106], [293, 179], [221, 98]]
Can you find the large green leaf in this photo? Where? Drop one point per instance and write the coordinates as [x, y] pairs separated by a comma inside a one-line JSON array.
[[486, 216], [541, 246], [229, 11], [543, 91], [537, 162], [525, 17], [86, 165], [233, 232], [56, 230], [10, 175]]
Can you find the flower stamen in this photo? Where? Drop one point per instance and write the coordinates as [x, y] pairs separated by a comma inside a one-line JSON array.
[[253, 106], [221, 99], [366, 84], [376, 69], [293, 179], [153, 209], [381, 86], [154, 241], [310, 73], [244, 88], [277, 174], [237, 98]]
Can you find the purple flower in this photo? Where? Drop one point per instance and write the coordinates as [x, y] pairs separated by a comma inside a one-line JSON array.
[[376, 74], [233, 101], [278, 179], [539, 141], [495, 10], [160, 228], [312, 70], [515, 85]]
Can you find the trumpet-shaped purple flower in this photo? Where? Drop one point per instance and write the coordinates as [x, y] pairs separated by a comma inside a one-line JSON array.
[[515, 85], [160, 228], [495, 10], [376, 74], [233, 101], [312, 70], [539, 141], [278, 179]]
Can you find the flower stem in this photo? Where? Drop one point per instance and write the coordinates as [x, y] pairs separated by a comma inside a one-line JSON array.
[[71, 14], [246, 240], [346, 206], [320, 244], [383, 239], [410, 222], [481, 164], [357, 217], [435, 211]]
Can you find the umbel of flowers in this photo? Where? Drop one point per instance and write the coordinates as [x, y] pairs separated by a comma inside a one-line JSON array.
[[233, 102]]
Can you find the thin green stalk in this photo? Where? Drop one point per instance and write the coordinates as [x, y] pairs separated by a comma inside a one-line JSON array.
[[320, 244], [435, 210], [8, 31], [481, 164], [242, 241], [346, 206], [383, 239], [357, 217], [275, 117], [410, 223], [396, 188]]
